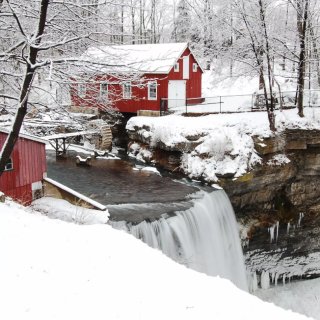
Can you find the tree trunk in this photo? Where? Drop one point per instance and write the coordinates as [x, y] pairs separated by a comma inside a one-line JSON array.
[[302, 17], [315, 52], [140, 22], [122, 25], [285, 30], [133, 25], [24, 94]]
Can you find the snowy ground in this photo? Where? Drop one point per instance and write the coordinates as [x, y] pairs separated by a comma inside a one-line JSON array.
[[51, 269], [225, 140], [301, 296]]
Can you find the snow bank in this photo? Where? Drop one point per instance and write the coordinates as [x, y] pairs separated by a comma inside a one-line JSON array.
[[55, 270], [224, 141], [63, 210], [302, 297]]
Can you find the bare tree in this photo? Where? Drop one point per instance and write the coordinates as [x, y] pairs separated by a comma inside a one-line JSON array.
[[42, 42], [31, 66], [302, 7]]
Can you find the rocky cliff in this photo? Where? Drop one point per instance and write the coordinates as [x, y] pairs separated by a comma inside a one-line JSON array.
[[277, 202]]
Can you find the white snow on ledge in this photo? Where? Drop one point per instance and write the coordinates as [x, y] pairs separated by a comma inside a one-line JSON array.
[[278, 160], [225, 141], [76, 194]]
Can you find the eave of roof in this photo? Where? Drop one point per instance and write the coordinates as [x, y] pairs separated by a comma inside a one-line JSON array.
[[25, 136], [133, 67]]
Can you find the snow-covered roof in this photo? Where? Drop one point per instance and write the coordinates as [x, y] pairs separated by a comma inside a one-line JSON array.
[[143, 58], [25, 136]]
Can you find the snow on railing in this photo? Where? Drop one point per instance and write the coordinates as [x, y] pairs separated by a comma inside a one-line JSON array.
[[237, 103], [76, 194]]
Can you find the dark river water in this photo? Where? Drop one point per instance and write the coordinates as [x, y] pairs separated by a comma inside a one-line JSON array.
[[119, 185]]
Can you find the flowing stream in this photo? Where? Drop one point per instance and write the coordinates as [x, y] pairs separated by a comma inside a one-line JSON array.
[[195, 228]]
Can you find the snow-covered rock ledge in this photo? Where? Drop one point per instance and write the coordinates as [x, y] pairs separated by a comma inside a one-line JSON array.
[[270, 178], [215, 145]]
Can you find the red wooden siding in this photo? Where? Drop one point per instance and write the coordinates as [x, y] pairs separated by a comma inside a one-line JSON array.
[[139, 100], [29, 165]]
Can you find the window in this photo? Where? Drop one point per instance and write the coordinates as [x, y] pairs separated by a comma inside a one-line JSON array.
[[126, 90], [9, 165], [152, 90], [104, 90], [195, 67], [176, 67], [81, 90]]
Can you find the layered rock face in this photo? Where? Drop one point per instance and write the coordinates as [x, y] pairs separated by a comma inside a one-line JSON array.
[[279, 207], [277, 203]]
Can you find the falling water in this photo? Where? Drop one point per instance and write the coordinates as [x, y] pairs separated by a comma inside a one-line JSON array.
[[204, 237]]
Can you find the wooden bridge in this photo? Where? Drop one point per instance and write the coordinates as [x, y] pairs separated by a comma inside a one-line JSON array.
[[61, 141]]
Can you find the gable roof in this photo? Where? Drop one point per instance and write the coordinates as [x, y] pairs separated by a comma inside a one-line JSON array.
[[25, 136], [143, 58]]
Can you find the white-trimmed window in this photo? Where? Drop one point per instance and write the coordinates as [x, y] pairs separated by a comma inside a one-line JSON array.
[[126, 89], [176, 67], [82, 90], [104, 90], [194, 67], [9, 165], [152, 90]]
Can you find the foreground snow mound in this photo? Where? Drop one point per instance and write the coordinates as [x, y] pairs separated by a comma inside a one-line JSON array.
[[55, 270]]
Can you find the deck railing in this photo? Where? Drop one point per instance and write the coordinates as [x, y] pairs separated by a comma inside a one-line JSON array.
[[236, 103]]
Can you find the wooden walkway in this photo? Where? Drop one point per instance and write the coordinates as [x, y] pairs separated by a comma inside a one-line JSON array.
[[61, 141]]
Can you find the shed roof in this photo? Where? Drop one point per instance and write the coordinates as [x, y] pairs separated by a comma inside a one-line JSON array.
[[25, 136], [143, 58]]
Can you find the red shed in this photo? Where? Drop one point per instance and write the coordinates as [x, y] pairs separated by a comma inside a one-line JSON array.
[[139, 77], [22, 179]]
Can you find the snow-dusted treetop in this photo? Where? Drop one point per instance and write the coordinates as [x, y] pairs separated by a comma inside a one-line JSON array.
[[143, 58]]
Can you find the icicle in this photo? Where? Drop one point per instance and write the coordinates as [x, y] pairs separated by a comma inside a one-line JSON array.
[[284, 279], [265, 280], [245, 243], [276, 279], [253, 282], [271, 231], [301, 216], [288, 228], [273, 277]]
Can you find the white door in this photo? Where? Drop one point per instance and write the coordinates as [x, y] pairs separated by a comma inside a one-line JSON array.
[[176, 93], [186, 68]]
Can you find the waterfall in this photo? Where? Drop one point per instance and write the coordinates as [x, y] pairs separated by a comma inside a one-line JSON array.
[[204, 237]]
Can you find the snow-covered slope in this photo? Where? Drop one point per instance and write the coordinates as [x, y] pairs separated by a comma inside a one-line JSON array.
[[56, 270], [300, 296]]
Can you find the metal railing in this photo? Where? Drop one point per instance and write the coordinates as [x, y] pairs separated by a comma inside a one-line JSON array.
[[236, 103]]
